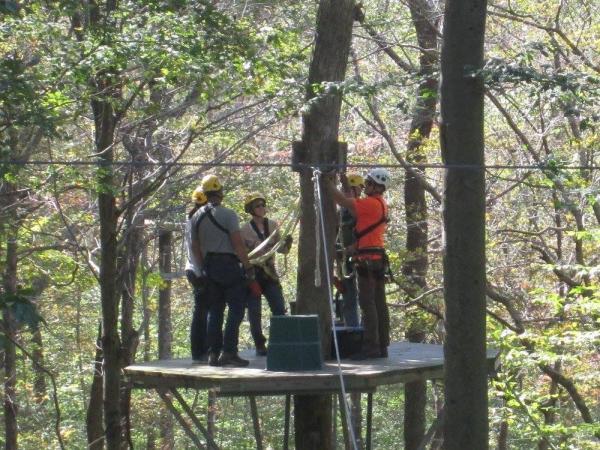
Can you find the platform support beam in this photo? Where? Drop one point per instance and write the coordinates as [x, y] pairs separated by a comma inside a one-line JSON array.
[[186, 427], [255, 422], [437, 423], [211, 443], [286, 425], [369, 421]]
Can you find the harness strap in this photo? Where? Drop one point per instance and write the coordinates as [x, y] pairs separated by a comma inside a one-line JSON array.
[[265, 234], [207, 213], [364, 232]]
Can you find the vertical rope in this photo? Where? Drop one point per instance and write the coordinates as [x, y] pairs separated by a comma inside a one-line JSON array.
[[319, 204], [318, 219]]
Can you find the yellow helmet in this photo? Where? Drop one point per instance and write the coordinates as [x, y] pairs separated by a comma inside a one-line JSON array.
[[198, 196], [210, 183], [250, 198], [355, 180]]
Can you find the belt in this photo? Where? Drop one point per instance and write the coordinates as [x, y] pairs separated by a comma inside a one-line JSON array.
[[221, 255], [370, 253]]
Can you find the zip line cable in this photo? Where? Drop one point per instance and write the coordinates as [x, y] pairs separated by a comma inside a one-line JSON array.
[[319, 202], [329, 166]]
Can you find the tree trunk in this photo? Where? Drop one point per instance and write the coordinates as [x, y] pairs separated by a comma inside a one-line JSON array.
[[93, 420], [10, 328], [416, 264], [105, 122], [461, 139], [312, 418], [165, 334]]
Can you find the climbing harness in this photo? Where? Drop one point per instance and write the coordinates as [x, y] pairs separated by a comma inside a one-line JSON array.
[[290, 220]]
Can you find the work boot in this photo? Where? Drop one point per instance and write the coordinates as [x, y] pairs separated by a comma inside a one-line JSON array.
[[261, 350], [213, 359], [232, 360]]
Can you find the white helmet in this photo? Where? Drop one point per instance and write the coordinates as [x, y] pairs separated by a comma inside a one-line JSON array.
[[379, 176]]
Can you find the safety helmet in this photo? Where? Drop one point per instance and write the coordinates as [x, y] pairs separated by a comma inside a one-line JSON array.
[[198, 196], [211, 183], [379, 176], [355, 180], [249, 200]]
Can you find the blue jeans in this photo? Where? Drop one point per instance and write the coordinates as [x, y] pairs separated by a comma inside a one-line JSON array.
[[226, 287], [272, 291]]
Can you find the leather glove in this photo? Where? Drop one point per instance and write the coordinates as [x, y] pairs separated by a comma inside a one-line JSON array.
[[254, 288]]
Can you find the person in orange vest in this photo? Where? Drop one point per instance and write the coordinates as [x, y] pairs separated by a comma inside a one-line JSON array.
[[370, 260]]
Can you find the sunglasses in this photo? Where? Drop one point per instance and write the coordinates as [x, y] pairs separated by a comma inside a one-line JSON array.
[[260, 205]]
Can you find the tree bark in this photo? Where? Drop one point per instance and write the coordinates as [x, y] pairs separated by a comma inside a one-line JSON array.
[[165, 333], [461, 139], [312, 418], [105, 122], [10, 354], [9, 284], [95, 411], [416, 265]]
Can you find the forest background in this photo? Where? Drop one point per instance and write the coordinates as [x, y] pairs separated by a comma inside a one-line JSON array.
[[110, 113]]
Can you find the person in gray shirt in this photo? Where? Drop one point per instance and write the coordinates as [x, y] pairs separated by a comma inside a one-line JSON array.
[[217, 244]]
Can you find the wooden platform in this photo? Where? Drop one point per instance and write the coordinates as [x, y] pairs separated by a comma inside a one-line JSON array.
[[407, 362]]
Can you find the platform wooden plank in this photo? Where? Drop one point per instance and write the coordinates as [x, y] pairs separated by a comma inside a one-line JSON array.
[[407, 362]]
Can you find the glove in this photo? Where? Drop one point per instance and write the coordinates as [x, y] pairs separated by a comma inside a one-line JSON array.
[[254, 288]]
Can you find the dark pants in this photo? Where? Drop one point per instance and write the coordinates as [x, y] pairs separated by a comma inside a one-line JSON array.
[[374, 309], [350, 298], [198, 328], [226, 287], [271, 289]]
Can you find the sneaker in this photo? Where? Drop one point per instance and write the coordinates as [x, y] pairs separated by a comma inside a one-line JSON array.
[[261, 350], [213, 359], [232, 360]]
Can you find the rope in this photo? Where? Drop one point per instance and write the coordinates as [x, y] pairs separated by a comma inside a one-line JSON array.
[[319, 202], [291, 219], [318, 219]]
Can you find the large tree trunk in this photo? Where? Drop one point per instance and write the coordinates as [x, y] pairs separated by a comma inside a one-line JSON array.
[[461, 136], [9, 285], [312, 416], [10, 329], [94, 413], [105, 122], [165, 332], [416, 265]]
